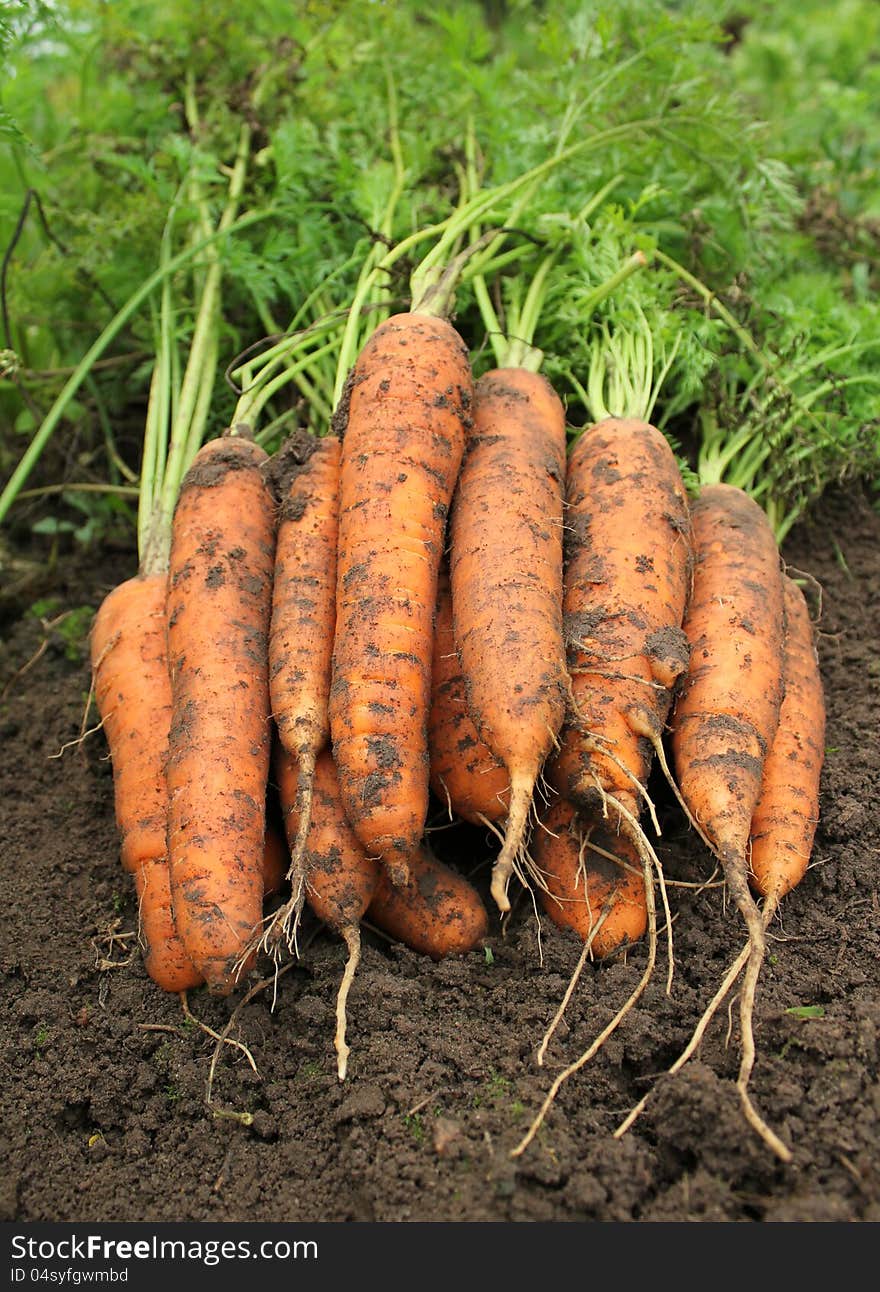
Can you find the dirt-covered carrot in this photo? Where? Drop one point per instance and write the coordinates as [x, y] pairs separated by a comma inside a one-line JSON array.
[[506, 574], [785, 818], [128, 644], [727, 712], [594, 879], [437, 911], [628, 564], [306, 481], [219, 604], [465, 774], [402, 425], [340, 879], [133, 695], [506, 555]]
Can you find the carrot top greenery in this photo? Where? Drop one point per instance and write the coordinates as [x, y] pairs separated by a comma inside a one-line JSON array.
[[760, 268]]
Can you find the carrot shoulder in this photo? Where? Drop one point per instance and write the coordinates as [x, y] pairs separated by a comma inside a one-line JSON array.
[[133, 695], [402, 425], [219, 603], [506, 571], [785, 818]]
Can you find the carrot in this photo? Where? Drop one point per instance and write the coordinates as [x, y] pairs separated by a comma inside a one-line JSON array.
[[133, 696], [219, 603], [436, 912], [628, 571], [727, 712], [506, 573], [340, 879], [402, 424], [465, 774], [128, 644], [784, 820], [594, 879], [306, 475]]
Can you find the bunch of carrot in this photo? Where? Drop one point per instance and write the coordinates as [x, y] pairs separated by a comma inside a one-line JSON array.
[[438, 595]]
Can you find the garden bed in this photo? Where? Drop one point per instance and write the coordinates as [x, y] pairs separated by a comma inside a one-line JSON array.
[[104, 1115]]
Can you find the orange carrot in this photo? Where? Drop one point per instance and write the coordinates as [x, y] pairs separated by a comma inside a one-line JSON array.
[[594, 879], [402, 426], [628, 571], [306, 476], [133, 695], [465, 774], [506, 572], [437, 911], [784, 820], [340, 879], [727, 712], [219, 603]]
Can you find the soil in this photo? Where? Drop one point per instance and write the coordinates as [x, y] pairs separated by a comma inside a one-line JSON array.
[[103, 1079]]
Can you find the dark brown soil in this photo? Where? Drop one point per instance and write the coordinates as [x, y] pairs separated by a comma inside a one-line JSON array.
[[103, 1081]]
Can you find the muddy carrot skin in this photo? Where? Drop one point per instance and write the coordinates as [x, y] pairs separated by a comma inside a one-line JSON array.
[[402, 425], [133, 695], [784, 821], [219, 604], [306, 476], [591, 870], [306, 481], [727, 711], [506, 574], [465, 774], [628, 569], [437, 912], [340, 878]]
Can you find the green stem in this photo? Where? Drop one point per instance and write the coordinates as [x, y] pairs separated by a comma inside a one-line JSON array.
[[47, 428], [743, 336]]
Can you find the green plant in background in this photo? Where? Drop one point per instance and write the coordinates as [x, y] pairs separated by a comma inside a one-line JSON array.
[[774, 331]]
